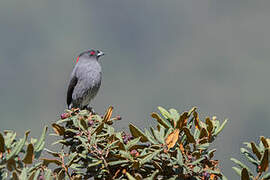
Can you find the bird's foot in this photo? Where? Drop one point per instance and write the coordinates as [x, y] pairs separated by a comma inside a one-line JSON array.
[[89, 108]]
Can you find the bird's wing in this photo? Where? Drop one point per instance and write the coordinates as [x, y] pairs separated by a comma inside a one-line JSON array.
[[71, 86]]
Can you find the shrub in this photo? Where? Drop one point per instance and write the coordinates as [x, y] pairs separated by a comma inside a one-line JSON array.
[[89, 147], [258, 155]]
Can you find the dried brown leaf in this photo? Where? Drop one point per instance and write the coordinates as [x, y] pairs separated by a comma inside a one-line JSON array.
[[196, 120], [46, 162], [265, 161], [264, 141], [255, 150], [172, 138], [108, 114], [182, 122], [29, 157], [58, 129], [2, 143], [190, 138]]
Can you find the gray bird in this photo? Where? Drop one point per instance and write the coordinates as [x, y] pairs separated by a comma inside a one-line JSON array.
[[85, 80]]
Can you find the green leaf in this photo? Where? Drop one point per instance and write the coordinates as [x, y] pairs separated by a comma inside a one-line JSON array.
[[220, 128], [39, 144], [84, 112], [61, 141], [19, 146], [203, 146], [71, 158], [162, 132], [75, 121], [179, 157], [149, 157], [77, 167], [71, 130], [216, 172], [130, 177], [94, 163], [99, 129], [197, 161], [150, 137], [164, 113], [211, 153], [118, 162], [191, 111], [125, 154], [158, 136], [153, 175], [83, 124], [36, 174], [161, 121], [133, 143], [197, 169], [23, 174], [248, 145], [9, 138], [175, 116], [239, 163], [136, 132], [35, 166], [48, 174], [249, 156], [83, 141], [39, 150], [266, 176], [196, 134]]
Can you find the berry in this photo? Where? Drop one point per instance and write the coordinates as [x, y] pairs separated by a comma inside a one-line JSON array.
[[134, 153]]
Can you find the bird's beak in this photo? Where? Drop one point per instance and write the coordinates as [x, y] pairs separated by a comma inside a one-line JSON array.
[[100, 53]]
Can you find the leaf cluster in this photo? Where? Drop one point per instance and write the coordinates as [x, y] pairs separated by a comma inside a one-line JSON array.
[[18, 157], [258, 156], [177, 148], [89, 147]]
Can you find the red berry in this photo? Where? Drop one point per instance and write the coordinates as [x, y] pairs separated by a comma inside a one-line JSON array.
[[118, 117], [64, 115], [134, 153]]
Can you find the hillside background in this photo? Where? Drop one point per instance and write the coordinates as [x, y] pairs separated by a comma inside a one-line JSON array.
[[178, 53]]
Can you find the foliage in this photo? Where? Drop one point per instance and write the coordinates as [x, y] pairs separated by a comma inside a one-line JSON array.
[[258, 155], [178, 148], [17, 154]]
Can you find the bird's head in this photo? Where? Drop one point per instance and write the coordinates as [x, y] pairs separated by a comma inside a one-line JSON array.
[[92, 54]]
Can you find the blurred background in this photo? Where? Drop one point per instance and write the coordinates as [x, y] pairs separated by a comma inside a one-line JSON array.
[[177, 53]]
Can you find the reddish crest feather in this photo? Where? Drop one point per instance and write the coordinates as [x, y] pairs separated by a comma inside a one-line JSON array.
[[77, 59]]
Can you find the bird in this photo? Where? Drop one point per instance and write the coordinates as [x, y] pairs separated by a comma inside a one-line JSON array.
[[85, 80]]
